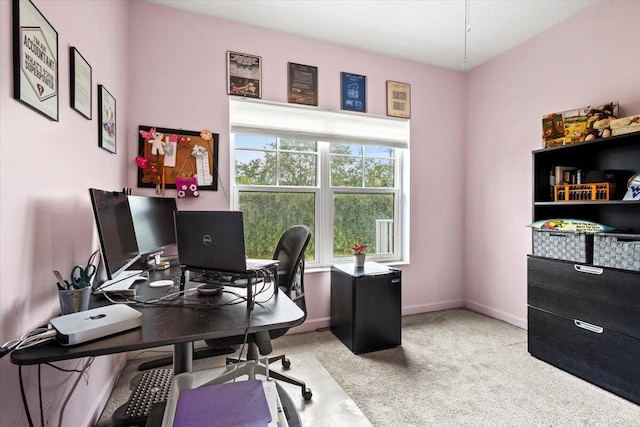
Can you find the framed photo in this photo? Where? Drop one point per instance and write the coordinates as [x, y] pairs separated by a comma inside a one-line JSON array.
[[244, 75], [80, 83], [178, 160], [398, 99], [354, 92], [35, 60], [106, 120], [303, 84]]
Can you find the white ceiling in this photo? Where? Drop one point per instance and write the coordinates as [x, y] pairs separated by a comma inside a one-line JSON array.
[[426, 31]]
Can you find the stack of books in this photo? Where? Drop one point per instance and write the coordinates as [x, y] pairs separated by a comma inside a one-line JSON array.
[[250, 403]]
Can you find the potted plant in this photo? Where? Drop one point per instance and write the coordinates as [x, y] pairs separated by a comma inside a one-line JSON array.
[[359, 255]]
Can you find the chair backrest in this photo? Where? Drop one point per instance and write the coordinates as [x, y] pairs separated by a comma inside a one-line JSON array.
[[290, 254]]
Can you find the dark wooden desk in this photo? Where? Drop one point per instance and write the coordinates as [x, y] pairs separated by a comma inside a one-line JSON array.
[[176, 324]]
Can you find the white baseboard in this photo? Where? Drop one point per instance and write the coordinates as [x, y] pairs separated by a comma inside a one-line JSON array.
[[93, 414], [497, 314], [436, 306]]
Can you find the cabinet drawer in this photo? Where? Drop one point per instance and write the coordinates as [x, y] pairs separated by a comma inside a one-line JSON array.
[[610, 299], [602, 357]]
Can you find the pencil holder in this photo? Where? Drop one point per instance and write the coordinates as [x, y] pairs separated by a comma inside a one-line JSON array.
[[75, 300]]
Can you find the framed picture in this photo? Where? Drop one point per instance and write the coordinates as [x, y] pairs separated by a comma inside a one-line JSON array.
[[303, 84], [398, 99], [354, 92], [106, 120], [80, 83], [35, 60], [244, 75], [177, 159]]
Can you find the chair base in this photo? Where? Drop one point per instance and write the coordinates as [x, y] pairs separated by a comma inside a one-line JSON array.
[[262, 369]]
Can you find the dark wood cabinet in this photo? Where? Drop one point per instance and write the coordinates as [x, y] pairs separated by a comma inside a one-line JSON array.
[[583, 318], [366, 306]]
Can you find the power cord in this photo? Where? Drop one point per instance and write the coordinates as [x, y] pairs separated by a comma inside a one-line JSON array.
[[31, 338]]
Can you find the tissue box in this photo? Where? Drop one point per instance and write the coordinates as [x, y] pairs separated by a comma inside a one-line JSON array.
[[625, 125]]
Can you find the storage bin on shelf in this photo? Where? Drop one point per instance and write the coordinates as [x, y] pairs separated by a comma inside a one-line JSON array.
[[563, 245], [599, 191], [617, 250]]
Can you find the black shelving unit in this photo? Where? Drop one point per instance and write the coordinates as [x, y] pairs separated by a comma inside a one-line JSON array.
[[584, 318]]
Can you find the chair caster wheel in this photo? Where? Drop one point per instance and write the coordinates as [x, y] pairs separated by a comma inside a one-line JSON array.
[[286, 363], [306, 395]]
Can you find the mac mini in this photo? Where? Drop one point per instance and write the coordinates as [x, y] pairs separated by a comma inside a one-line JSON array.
[[89, 325]]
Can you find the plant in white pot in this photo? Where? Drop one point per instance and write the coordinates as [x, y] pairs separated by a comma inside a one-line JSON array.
[[359, 255]]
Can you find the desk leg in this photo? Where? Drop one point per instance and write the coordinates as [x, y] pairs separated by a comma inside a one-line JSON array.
[[182, 358]]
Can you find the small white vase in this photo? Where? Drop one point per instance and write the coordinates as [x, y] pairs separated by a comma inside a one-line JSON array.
[[358, 259]]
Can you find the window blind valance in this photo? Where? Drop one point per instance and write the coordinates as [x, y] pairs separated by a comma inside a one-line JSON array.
[[290, 120]]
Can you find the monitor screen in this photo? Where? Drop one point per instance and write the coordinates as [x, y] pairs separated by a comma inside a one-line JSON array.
[[153, 222], [115, 229]]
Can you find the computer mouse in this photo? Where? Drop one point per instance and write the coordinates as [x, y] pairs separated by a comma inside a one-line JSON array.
[[161, 283]]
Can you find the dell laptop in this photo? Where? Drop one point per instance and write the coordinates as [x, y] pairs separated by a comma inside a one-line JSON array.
[[214, 240]]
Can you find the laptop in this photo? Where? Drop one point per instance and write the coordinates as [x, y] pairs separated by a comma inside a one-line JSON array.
[[214, 240], [89, 325]]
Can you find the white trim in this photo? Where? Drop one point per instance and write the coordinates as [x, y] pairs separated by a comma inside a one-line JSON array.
[[304, 122]]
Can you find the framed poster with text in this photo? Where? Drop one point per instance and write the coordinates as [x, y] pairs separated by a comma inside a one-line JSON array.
[[303, 84], [244, 75], [398, 99], [354, 92], [80, 83], [35, 59]]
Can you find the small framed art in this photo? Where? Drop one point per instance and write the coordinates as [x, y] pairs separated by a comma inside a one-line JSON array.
[[35, 60], [303, 84], [244, 75], [398, 99], [106, 120], [354, 92], [80, 83]]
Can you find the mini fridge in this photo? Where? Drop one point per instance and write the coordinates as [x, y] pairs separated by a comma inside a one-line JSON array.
[[366, 306]]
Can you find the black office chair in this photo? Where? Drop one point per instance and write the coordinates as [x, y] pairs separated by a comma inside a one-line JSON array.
[[290, 253]]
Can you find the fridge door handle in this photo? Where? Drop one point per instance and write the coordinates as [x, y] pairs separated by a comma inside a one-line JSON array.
[[588, 269]]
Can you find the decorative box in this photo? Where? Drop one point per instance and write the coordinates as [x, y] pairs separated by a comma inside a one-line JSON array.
[[625, 125], [575, 126], [617, 250], [564, 245]]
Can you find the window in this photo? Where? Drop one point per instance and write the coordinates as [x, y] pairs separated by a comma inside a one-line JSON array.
[[346, 191]]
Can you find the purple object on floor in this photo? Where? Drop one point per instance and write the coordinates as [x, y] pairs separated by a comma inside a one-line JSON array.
[[239, 404]]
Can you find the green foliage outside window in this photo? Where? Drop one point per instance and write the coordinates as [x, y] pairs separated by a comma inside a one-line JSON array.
[[268, 215]]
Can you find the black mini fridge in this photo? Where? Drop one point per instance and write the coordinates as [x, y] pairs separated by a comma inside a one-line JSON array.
[[366, 306]]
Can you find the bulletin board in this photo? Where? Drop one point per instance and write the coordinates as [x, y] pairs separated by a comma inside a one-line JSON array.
[[183, 154]]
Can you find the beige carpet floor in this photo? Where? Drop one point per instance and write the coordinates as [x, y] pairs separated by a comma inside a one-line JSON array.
[[454, 368]]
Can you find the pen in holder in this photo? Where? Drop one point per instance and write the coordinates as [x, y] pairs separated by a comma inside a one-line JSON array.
[[74, 300]]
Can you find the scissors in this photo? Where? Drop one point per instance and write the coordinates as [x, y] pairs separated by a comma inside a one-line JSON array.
[[81, 277]]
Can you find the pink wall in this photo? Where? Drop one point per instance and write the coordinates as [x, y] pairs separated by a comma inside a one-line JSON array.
[[590, 59], [168, 68], [46, 221], [179, 80]]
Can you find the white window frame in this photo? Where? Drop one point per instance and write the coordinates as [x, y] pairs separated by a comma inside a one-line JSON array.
[[324, 193]]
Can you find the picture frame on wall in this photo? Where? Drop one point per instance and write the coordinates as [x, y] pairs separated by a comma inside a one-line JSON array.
[[398, 99], [80, 83], [35, 60], [303, 84], [353, 88], [106, 120], [244, 75]]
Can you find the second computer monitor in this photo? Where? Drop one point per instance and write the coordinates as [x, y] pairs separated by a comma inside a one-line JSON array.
[[153, 223]]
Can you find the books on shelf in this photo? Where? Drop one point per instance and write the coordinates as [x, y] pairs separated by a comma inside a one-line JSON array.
[[249, 403]]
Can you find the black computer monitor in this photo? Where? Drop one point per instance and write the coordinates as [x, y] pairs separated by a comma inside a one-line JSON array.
[[153, 223], [115, 228]]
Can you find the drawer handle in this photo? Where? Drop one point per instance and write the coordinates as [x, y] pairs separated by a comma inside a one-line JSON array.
[[588, 269], [588, 326], [395, 280]]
